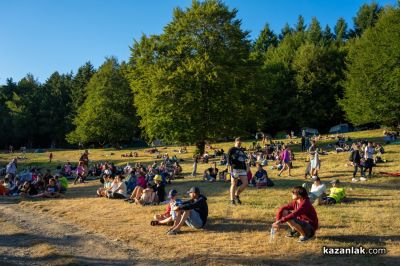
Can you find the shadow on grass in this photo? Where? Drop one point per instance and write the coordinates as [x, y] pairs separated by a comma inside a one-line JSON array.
[[235, 225], [64, 260], [305, 258], [362, 239]]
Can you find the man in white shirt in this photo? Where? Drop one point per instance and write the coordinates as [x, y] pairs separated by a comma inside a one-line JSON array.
[[369, 158]]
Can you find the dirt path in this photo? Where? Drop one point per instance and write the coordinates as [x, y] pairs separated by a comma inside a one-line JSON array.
[[27, 238]]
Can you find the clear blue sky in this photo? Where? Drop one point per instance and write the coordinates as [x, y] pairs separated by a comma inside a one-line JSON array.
[[44, 36]]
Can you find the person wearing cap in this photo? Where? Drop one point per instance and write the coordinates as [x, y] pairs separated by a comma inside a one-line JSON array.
[[193, 212], [238, 168], [169, 216], [336, 195], [300, 215], [317, 191]]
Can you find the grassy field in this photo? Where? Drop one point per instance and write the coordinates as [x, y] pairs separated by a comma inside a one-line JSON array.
[[236, 235]]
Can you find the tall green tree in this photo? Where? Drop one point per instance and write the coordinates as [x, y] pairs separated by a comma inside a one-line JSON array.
[[366, 17], [300, 26], [341, 33], [266, 39], [191, 82], [107, 116], [78, 90], [314, 32], [54, 109], [372, 86]]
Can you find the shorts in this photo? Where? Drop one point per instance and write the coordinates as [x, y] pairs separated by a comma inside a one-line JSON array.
[[236, 173], [194, 220], [330, 200], [307, 228]]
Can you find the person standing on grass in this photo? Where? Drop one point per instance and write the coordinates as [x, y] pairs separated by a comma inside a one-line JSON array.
[[369, 158], [300, 215], [50, 157], [355, 159], [238, 169], [286, 159], [193, 212], [195, 162], [315, 164]]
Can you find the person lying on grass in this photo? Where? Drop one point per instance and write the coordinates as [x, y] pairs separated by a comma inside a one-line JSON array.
[[169, 216], [193, 212], [117, 189], [300, 215], [317, 192], [51, 191], [337, 193]]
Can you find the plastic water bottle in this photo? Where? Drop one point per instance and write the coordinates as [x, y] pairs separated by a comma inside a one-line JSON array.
[[272, 235]]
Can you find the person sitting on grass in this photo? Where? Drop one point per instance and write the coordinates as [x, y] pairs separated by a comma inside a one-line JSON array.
[[153, 194], [27, 190], [337, 193], [169, 216], [211, 173], [193, 212], [117, 189], [51, 190], [102, 191], [61, 182], [300, 215], [141, 185], [317, 192], [260, 178]]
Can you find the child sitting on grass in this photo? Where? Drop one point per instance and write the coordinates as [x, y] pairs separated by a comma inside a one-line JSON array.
[[169, 216], [51, 190], [102, 191], [337, 194]]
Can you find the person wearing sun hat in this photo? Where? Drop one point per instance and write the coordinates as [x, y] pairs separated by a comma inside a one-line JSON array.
[[193, 212], [154, 194]]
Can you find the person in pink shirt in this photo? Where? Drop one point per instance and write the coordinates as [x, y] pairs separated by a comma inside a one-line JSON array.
[[286, 159], [80, 170]]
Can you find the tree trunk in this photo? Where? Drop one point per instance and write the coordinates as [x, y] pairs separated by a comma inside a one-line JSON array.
[[200, 147]]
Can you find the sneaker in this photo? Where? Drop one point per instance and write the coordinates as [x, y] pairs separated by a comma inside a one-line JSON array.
[[363, 179], [303, 239], [238, 200], [232, 202], [354, 179], [292, 233], [154, 223], [173, 232]]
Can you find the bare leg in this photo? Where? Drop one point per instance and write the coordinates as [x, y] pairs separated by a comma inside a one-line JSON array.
[[233, 187], [179, 222], [243, 185], [296, 227]]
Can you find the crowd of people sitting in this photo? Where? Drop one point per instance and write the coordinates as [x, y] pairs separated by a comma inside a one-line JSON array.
[[141, 184], [33, 183]]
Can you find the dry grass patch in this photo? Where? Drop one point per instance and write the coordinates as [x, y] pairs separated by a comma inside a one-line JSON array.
[[240, 235]]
